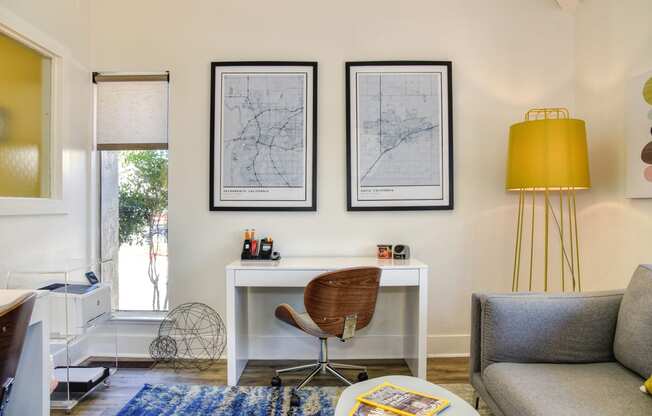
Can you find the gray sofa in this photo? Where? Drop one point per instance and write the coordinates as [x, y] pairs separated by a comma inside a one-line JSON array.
[[576, 354]]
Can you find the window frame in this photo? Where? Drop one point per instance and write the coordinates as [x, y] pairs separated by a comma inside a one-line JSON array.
[[126, 315], [23, 32]]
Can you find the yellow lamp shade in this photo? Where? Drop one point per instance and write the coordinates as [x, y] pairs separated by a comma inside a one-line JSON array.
[[548, 153]]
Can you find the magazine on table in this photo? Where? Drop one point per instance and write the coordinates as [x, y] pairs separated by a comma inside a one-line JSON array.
[[362, 409], [394, 400]]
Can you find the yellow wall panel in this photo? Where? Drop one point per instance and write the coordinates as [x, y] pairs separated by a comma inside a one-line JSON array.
[[21, 110]]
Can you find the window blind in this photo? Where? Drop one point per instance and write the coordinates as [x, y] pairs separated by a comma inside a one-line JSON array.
[[131, 111]]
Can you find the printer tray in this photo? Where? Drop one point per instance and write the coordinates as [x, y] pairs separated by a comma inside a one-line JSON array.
[[82, 379]]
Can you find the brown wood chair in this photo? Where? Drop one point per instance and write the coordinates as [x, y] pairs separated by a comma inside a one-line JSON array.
[[14, 320], [337, 304]]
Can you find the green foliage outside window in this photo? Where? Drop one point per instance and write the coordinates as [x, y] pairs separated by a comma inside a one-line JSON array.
[[143, 207]]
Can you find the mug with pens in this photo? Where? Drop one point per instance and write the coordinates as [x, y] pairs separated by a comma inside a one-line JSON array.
[[253, 249]]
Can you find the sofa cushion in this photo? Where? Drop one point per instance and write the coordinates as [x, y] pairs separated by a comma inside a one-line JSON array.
[[566, 389], [633, 341], [549, 328]]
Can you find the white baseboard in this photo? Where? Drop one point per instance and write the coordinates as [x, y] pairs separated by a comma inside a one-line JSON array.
[[135, 343]]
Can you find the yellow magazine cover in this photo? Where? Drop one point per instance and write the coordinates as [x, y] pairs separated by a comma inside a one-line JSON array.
[[402, 401]]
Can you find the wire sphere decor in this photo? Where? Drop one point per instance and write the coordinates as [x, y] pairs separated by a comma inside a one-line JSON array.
[[196, 335], [163, 349]]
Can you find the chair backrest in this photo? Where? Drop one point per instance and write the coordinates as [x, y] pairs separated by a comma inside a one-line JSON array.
[[331, 297]]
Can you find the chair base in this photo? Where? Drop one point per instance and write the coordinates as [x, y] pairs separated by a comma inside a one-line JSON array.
[[323, 366]]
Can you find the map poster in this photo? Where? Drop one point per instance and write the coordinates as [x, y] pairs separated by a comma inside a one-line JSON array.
[[263, 136], [399, 135]]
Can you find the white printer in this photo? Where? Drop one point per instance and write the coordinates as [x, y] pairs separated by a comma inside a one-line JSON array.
[[88, 305]]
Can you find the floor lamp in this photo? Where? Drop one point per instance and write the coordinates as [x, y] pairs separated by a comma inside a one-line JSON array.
[[548, 156]]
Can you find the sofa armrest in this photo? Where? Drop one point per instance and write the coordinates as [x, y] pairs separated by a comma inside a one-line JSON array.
[[543, 328]]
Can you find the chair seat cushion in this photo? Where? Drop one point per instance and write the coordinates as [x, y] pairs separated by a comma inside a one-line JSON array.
[[566, 389], [302, 321], [633, 340]]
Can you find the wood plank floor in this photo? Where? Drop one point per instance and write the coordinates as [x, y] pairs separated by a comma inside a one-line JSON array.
[[128, 381]]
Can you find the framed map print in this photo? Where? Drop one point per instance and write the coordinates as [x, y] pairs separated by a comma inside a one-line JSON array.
[[399, 135], [263, 151]]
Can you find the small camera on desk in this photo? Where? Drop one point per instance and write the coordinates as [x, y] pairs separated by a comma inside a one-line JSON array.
[[262, 249]]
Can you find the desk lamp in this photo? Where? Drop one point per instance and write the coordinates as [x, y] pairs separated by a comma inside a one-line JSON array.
[[548, 155]]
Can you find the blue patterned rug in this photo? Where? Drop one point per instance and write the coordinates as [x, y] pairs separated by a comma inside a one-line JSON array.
[[202, 400]]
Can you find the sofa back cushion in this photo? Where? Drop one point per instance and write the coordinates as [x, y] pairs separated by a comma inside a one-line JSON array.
[[633, 341], [549, 328]]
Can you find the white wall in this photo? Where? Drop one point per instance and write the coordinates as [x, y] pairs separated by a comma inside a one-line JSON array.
[[613, 43], [34, 238], [508, 56]]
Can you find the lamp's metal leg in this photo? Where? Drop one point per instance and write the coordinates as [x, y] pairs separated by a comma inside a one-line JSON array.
[[561, 240], [520, 238], [309, 377], [341, 366], [532, 237], [545, 246], [577, 244], [517, 244], [338, 375], [297, 368], [570, 235]]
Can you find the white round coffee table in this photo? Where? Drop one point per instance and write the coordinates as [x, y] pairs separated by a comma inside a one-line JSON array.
[[458, 406]]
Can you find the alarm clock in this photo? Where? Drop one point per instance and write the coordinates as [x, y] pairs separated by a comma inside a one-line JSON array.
[[401, 252]]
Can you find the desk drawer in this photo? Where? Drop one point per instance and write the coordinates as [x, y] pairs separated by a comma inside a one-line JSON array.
[[275, 278], [400, 277], [300, 278]]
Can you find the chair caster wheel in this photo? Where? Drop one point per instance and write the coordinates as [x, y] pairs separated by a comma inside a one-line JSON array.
[[295, 401], [276, 381], [363, 376]]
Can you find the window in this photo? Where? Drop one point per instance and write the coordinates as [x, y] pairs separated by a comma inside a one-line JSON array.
[[25, 120], [132, 136]]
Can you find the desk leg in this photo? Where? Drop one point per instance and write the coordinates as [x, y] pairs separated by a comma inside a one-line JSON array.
[[237, 329], [30, 394], [416, 340]]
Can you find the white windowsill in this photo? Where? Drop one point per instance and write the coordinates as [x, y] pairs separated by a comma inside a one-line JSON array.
[[32, 206]]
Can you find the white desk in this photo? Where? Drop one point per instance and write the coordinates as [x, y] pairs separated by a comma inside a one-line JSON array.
[[296, 273], [30, 394]]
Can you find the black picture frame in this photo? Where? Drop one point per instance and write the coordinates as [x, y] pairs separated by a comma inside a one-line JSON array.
[[311, 199], [449, 182]]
